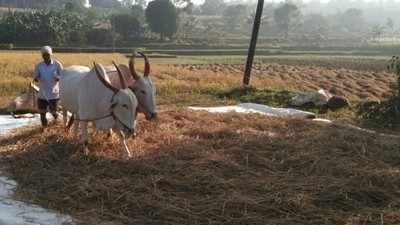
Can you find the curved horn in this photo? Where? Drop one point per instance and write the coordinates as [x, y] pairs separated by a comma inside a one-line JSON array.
[[105, 83], [146, 64], [121, 77], [132, 68]]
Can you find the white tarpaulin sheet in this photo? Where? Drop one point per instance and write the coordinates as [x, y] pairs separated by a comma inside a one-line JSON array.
[[8, 123], [19, 213], [257, 108], [15, 212]]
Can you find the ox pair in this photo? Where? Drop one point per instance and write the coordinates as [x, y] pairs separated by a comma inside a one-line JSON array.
[[110, 97]]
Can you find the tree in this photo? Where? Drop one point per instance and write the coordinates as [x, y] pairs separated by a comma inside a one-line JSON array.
[[315, 24], [377, 31], [141, 3], [187, 24], [127, 3], [57, 28], [353, 20], [390, 23], [127, 26], [99, 37], [137, 11], [105, 3], [162, 16], [285, 16], [74, 5], [235, 17], [213, 7]]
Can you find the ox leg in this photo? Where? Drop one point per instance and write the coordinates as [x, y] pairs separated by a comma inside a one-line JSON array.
[[70, 123], [65, 117], [110, 134], [76, 126], [122, 138], [84, 136]]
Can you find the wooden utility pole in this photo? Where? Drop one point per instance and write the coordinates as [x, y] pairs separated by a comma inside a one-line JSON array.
[[253, 43]]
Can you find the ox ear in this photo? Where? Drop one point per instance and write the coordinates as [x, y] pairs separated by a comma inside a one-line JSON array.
[[121, 77], [146, 64], [132, 68], [102, 80]]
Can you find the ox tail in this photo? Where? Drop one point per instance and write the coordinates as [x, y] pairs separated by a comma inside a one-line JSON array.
[[70, 122]]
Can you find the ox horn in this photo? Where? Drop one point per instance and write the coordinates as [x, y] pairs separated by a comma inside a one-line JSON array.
[[132, 68], [121, 77], [101, 78], [146, 64]]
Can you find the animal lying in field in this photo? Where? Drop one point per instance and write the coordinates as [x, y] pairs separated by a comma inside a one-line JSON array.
[[26, 102], [89, 95], [142, 86]]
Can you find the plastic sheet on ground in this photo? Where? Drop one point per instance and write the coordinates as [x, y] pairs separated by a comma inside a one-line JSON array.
[[19, 213], [14, 212], [258, 108], [8, 123]]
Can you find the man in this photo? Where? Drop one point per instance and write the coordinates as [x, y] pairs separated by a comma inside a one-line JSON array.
[[48, 73]]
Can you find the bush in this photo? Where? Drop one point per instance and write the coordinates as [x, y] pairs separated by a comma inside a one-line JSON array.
[[382, 114], [99, 37], [6, 46], [385, 113]]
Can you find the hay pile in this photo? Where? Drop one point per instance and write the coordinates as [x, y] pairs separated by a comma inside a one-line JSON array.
[[201, 168]]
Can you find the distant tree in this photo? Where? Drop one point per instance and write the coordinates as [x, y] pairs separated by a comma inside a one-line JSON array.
[[377, 31], [315, 24], [186, 25], [162, 17], [59, 28], [141, 3], [99, 37], [73, 5], [285, 16], [353, 20], [390, 23], [127, 3], [137, 11], [105, 3], [213, 7], [127, 26], [235, 17], [183, 4]]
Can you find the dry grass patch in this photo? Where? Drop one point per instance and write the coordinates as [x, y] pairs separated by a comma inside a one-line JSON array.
[[353, 84], [201, 168]]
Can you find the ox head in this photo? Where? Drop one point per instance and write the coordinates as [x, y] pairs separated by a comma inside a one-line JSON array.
[[144, 89], [123, 103]]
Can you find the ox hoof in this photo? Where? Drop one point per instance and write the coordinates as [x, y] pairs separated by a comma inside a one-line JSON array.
[[128, 156], [86, 151]]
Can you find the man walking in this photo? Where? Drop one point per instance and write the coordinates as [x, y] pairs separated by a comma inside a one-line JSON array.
[[48, 73]]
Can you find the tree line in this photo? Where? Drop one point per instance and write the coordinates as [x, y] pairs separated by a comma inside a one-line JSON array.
[[129, 22], [75, 25]]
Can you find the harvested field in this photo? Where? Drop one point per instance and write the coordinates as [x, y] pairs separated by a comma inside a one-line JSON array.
[[200, 168], [353, 84]]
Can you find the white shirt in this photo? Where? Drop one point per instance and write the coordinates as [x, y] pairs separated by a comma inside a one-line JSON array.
[[47, 74]]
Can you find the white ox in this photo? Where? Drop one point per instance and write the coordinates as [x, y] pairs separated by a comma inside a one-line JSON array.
[[142, 86], [89, 96]]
